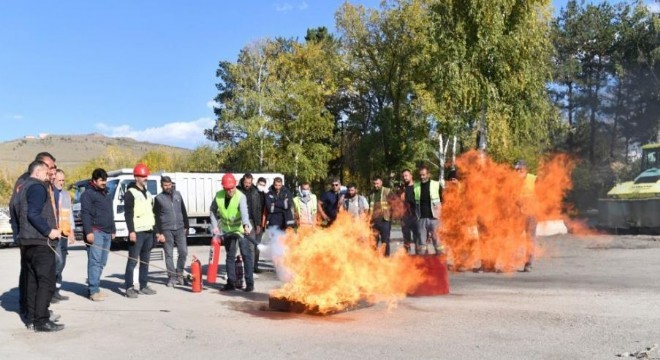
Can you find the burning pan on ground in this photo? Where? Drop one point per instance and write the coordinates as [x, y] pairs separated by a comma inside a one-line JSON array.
[[297, 307]]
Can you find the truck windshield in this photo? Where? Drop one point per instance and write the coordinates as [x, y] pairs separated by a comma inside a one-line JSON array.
[[112, 188], [82, 186]]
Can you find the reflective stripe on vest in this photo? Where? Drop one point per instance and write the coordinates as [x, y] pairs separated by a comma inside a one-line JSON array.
[[143, 213], [384, 205], [230, 217]]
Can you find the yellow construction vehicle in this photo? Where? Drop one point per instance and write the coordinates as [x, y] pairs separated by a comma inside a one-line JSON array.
[[635, 205]]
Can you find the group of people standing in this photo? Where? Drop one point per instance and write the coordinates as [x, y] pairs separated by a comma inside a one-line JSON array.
[[420, 218], [42, 223]]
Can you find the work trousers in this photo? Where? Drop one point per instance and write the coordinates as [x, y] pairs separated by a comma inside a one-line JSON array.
[[383, 229], [409, 230], [232, 243], [178, 238], [140, 249], [427, 227], [40, 282]]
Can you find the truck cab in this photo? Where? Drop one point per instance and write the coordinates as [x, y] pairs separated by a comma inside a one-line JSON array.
[[118, 182]]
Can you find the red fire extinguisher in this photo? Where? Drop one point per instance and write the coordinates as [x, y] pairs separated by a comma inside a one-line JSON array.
[[196, 272], [239, 272], [214, 258]]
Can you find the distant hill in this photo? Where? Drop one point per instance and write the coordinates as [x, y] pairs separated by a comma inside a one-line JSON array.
[[70, 150]]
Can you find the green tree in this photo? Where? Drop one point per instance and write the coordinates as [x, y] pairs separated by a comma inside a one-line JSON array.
[[384, 59], [272, 114]]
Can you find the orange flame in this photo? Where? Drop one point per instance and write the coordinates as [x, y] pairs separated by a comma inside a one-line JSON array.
[[337, 267], [485, 216]]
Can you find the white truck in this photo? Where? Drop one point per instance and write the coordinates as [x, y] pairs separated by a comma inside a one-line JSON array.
[[6, 234], [197, 190]]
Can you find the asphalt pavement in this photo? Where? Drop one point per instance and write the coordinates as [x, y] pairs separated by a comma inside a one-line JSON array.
[[587, 298]]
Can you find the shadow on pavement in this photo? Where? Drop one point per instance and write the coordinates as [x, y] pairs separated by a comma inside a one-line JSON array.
[[9, 301]]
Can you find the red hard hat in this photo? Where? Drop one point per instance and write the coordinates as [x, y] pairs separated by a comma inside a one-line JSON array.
[[141, 170], [228, 181]]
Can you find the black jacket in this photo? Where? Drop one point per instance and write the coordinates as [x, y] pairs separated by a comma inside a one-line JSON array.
[[279, 207], [96, 211], [255, 202], [37, 215]]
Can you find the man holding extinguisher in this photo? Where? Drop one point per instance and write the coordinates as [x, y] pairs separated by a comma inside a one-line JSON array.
[[230, 220]]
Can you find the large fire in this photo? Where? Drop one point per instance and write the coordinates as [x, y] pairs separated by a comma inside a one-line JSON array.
[[486, 214], [484, 221], [337, 267]]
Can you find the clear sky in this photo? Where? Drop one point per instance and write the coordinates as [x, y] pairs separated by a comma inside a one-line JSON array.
[[138, 68]]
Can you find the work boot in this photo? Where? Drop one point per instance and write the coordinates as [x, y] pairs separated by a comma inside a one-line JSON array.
[[181, 280], [147, 291], [249, 288], [59, 297], [131, 293], [48, 327], [170, 282], [229, 286]]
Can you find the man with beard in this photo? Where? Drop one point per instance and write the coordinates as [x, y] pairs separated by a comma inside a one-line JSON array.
[[64, 213], [255, 203], [37, 226], [231, 221], [279, 206], [354, 203], [140, 221], [98, 220], [409, 220], [14, 203], [172, 229], [379, 206]]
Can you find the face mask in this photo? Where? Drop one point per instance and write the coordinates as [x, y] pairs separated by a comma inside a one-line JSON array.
[[305, 192], [261, 188]]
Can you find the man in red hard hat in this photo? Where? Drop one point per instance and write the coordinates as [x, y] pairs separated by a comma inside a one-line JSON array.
[[230, 219], [140, 221]]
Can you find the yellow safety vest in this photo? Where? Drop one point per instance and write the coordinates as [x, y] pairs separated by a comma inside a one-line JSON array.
[[434, 189], [384, 205], [528, 185], [312, 206], [143, 213], [230, 217]]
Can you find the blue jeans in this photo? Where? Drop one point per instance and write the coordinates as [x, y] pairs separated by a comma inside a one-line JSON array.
[[141, 249], [97, 257], [62, 250]]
